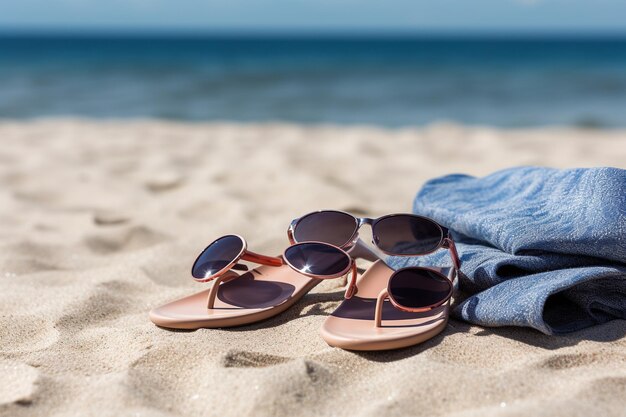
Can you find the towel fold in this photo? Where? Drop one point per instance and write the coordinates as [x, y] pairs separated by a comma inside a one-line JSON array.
[[540, 247]]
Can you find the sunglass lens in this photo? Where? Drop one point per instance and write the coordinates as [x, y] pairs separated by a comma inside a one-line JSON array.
[[317, 259], [332, 227], [419, 288], [217, 256], [407, 235]]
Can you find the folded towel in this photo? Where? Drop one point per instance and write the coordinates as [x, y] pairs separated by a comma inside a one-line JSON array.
[[540, 247]]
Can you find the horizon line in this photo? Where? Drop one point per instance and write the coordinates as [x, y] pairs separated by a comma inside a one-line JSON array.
[[312, 33]]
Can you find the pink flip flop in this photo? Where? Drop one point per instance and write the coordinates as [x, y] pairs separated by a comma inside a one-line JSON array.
[[377, 317], [258, 294]]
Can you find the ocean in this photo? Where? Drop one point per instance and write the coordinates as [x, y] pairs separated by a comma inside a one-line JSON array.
[[387, 81]]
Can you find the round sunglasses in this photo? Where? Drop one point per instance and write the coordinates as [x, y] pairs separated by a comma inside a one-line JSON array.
[[314, 259], [415, 290], [393, 234]]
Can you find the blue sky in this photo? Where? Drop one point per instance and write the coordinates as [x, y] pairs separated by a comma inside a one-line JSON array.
[[317, 15]]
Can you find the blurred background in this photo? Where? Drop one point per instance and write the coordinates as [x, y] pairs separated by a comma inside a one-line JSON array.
[[508, 63]]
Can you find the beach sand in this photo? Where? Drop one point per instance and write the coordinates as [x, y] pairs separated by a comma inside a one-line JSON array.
[[101, 220]]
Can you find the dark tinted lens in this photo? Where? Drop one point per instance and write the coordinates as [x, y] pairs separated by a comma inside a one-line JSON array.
[[417, 288], [317, 259], [407, 235], [217, 256], [331, 227]]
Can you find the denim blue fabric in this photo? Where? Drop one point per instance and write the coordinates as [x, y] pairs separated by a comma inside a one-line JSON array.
[[540, 247]]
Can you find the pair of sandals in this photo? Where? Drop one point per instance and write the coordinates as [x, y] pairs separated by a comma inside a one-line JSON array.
[[382, 309]]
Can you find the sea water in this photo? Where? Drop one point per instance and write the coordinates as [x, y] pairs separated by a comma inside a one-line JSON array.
[[388, 81]]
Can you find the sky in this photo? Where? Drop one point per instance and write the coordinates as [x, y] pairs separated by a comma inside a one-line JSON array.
[[572, 16]]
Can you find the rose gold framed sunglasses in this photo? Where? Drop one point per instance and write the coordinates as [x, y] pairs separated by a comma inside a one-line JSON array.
[[415, 290], [411, 289], [314, 259], [393, 234]]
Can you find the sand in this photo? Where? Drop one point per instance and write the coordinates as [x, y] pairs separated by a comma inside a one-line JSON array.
[[100, 221]]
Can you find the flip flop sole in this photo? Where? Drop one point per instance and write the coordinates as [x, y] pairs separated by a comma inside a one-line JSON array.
[[355, 334], [351, 326], [254, 296]]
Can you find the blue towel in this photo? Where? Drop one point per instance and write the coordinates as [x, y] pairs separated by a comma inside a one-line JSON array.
[[540, 247]]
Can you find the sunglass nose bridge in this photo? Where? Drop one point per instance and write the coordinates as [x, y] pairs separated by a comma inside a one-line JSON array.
[[365, 220]]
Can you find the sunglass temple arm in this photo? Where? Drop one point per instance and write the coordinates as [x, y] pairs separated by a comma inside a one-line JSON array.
[[352, 289], [261, 259], [456, 261]]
